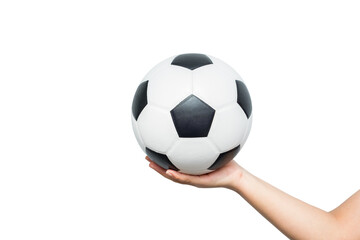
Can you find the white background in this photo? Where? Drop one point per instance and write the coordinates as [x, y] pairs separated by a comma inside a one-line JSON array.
[[70, 167]]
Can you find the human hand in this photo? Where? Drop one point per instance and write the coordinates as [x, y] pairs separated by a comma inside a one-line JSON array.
[[225, 176]]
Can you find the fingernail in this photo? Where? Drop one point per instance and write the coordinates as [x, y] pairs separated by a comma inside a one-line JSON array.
[[169, 173]]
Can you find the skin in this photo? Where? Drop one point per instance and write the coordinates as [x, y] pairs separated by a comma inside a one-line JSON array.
[[293, 217]]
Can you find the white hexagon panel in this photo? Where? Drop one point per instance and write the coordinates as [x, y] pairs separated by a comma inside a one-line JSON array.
[[209, 84], [192, 113], [247, 131], [157, 68], [193, 155], [137, 133], [169, 86], [157, 128], [229, 127], [226, 68]]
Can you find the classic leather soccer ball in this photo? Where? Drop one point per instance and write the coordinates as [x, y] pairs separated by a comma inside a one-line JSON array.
[[192, 113]]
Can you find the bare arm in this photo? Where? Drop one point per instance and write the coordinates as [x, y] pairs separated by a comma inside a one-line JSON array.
[[293, 217], [297, 219]]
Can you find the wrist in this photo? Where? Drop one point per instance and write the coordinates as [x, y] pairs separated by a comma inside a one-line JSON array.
[[236, 182]]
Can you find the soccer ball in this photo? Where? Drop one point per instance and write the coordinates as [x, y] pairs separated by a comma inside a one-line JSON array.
[[192, 113]]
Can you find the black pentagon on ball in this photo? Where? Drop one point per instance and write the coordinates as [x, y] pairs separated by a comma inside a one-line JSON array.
[[140, 99], [243, 98], [160, 159], [224, 158], [191, 60], [192, 117]]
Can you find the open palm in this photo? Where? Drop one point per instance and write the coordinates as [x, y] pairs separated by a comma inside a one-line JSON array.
[[222, 177]]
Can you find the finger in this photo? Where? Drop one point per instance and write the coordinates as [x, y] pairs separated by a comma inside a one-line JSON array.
[[159, 169], [176, 176], [184, 178], [147, 158]]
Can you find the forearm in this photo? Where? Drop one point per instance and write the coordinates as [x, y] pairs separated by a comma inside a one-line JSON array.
[[294, 218]]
